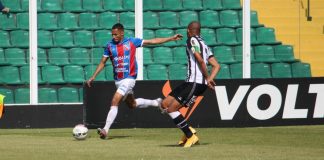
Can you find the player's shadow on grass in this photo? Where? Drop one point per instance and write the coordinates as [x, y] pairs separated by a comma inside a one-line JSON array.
[[117, 137], [175, 145]]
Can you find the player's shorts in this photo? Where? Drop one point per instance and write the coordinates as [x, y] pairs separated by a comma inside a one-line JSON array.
[[187, 92], [125, 86]]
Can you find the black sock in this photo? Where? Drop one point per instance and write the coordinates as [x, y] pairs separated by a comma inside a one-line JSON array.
[[183, 125]]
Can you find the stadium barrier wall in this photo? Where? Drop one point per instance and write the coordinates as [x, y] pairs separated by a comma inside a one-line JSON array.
[[234, 103]]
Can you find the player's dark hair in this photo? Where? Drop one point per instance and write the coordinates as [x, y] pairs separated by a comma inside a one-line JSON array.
[[118, 26]]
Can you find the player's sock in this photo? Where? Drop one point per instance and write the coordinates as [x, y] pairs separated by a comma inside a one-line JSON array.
[[181, 123], [145, 103], [111, 117]]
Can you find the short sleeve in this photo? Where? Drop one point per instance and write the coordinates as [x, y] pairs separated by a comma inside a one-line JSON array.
[[195, 46], [107, 51], [138, 42]]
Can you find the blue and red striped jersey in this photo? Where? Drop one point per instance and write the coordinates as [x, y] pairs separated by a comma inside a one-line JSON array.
[[122, 56]]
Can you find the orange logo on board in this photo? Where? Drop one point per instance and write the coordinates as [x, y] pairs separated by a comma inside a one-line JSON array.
[[185, 111], [1, 104]]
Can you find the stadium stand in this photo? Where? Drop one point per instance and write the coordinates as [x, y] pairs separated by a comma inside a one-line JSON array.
[[72, 34]]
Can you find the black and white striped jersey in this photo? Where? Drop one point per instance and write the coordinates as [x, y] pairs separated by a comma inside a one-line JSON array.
[[196, 44]]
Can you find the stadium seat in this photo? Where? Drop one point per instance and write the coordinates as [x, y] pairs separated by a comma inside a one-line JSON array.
[[169, 19], [162, 55], [47, 21], [4, 39], [284, 53], [224, 54], [19, 38], [24, 75], [21, 95], [147, 56], [9, 75], [231, 4], [45, 39], [183, 32], [51, 5], [253, 39], [25, 5], [208, 36], [96, 55], [47, 95], [236, 71], [92, 5], [266, 36], [52, 74], [151, 20], [260, 70], [127, 19], [3, 60], [172, 5], [83, 38], [109, 72], [22, 20], [229, 18], [58, 56], [68, 95], [63, 38], [107, 19], [79, 56], [192, 4], [226, 36], [157, 72], [90, 69], [264, 53], [238, 53], [180, 55], [15, 56], [67, 21], [152, 5], [9, 95], [88, 21], [224, 72], [254, 20], [300, 69], [129, 33], [162, 33], [7, 22], [212, 4], [72, 5], [145, 73], [73, 74], [115, 5], [148, 34], [210, 19], [186, 17], [281, 70], [41, 57], [177, 72], [102, 37], [14, 5], [129, 5]]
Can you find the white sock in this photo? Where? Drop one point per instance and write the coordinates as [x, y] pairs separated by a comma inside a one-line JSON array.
[[111, 117], [145, 103], [174, 115]]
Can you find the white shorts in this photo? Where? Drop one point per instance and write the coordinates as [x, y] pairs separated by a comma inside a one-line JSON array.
[[125, 86]]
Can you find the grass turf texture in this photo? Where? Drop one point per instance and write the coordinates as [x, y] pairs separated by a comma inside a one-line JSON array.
[[270, 143]]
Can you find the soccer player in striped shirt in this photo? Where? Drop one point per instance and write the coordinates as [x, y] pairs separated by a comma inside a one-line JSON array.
[[121, 51], [198, 80]]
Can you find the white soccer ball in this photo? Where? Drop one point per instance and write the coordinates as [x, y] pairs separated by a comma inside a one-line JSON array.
[[80, 132]]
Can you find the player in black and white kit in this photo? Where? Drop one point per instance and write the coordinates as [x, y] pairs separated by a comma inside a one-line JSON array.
[[198, 80]]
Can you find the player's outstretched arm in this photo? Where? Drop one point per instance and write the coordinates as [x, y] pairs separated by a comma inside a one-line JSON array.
[[100, 66], [162, 40]]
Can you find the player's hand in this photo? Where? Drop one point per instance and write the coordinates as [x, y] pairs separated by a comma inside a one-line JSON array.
[[211, 83], [177, 37], [89, 81], [6, 10]]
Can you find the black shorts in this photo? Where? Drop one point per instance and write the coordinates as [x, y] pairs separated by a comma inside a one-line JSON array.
[[187, 92]]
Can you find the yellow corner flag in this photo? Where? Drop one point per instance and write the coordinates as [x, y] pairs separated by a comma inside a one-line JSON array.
[[1, 104]]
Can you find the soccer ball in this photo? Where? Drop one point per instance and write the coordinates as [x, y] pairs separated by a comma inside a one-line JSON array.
[[80, 132]]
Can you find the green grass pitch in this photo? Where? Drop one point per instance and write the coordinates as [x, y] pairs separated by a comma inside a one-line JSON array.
[[269, 143]]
